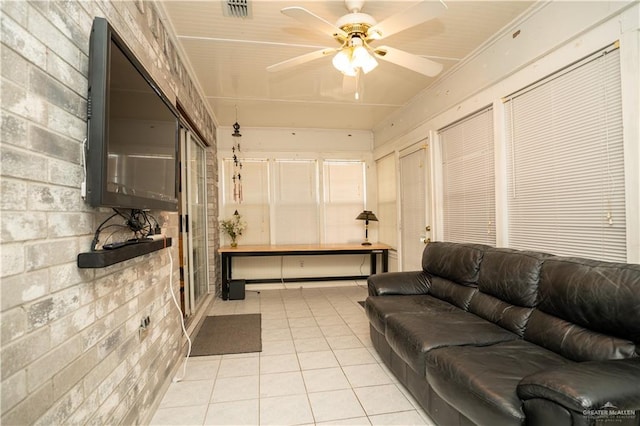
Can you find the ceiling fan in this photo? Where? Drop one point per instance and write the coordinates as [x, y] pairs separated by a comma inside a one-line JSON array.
[[356, 31]]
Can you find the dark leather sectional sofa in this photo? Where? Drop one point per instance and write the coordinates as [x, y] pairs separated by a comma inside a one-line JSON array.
[[495, 336]]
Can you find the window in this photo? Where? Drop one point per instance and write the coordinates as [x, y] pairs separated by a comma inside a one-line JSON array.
[[469, 179], [255, 205], [344, 199], [296, 202], [282, 202], [565, 162], [387, 195]]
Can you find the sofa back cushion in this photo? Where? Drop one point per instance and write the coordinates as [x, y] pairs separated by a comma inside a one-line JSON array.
[[454, 261], [513, 318], [449, 291], [587, 309], [508, 287], [575, 342], [511, 275]]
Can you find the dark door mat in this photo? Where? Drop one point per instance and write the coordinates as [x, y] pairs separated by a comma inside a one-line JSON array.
[[228, 334]]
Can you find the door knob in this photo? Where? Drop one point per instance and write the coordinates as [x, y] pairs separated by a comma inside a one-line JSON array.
[[428, 228], [427, 241]]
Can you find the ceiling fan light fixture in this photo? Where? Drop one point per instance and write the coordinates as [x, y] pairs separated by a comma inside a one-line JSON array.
[[353, 57], [342, 60], [361, 58]]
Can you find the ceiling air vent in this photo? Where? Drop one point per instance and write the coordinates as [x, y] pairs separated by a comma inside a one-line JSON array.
[[236, 8]]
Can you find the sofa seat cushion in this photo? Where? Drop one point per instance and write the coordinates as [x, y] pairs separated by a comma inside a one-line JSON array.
[[412, 335], [481, 381], [379, 307]]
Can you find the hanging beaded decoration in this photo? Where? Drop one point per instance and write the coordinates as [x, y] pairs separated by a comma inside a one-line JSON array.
[[237, 164]]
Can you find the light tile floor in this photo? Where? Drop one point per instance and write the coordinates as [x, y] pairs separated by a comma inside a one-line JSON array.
[[317, 366]]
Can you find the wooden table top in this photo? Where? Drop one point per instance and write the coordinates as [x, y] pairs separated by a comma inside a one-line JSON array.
[[265, 248]]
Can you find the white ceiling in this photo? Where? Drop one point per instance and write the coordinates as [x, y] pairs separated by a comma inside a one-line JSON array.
[[229, 56]]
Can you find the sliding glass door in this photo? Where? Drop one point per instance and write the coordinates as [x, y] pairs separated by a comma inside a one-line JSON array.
[[193, 222]]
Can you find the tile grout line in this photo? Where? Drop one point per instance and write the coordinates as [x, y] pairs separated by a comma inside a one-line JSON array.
[[313, 415]]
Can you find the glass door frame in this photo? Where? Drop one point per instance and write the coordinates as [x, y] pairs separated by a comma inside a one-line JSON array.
[[188, 140]]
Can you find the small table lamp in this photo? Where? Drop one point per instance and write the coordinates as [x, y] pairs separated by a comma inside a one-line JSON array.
[[366, 215]]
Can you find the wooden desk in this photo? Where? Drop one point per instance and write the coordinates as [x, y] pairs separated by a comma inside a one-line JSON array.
[[227, 254]]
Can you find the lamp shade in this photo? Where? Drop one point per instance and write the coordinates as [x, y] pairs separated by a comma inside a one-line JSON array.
[[354, 56], [367, 215], [362, 59], [342, 60]]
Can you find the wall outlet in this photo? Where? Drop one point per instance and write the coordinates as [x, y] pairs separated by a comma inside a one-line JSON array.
[[142, 333]]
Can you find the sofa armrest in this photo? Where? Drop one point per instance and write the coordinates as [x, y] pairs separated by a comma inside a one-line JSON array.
[[587, 386], [398, 283]]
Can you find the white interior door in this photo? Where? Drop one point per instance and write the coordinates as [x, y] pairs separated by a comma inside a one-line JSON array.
[[414, 212]]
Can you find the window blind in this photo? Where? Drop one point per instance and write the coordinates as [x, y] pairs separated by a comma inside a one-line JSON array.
[[469, 179], [387, 213], [344, 198], [254, 208], [565, 163], [296, 202]]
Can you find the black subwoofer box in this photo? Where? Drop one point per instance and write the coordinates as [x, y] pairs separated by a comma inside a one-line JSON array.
[[236, 289]]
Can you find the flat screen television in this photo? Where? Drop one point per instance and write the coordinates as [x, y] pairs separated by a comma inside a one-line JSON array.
[[132, 130]]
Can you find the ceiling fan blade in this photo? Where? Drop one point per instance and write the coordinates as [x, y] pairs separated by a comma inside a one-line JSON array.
[[421, 12], [408, 60], [314, 21], [299, 60]]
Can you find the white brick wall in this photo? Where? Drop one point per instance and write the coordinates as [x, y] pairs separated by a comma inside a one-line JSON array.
[[70, 348]]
